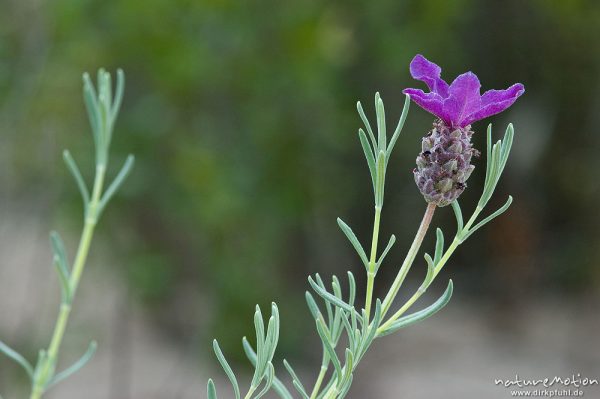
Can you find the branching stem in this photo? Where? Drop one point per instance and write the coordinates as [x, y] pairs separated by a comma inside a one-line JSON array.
[[408, 261], [40, 383]]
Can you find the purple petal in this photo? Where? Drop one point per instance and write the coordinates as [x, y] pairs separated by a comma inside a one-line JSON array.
[[426, 71], [464, 99], [431, 102], [495, 101]]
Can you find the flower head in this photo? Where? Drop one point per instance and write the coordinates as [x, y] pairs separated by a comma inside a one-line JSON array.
[[460, 103]]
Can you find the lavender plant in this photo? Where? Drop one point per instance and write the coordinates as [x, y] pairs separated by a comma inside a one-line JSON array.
[[102, 108], [443, 167]]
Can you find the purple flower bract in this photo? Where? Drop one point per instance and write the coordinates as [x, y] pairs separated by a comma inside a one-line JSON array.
[[460, 103]]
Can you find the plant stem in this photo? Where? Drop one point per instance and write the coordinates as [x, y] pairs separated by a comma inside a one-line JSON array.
[[438, 267], [91, 217], [318, 383], [410, 257], [372, 263]]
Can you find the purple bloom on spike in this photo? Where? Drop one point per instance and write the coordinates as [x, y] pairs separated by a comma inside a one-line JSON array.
[[444, 164], [460, 103]]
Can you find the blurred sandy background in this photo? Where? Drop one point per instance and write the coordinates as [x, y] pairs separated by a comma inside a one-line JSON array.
[[242, 118]]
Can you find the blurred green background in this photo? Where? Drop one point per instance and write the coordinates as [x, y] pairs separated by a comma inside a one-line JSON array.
[[242, 118]]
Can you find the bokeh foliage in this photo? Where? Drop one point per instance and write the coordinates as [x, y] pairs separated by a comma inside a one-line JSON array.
[[241, 115]]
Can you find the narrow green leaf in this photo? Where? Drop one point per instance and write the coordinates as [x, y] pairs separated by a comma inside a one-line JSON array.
[[227, 368], [380, 185], [296, 381], [60, 255], [91, 105], [328, 305], [422, 314], [273, 331], [327, 296], [312, 306], [349, 367], [83, 360], [116, 104], [278, 386], [349, 331], [270, 374], [506, 146], [352, 288], [329, 348], [354, 241], [16, 357], [368, 155], [371, 331], [381, 129], [361, 112], [439, 245], [117, 182], [458, 214], [261, 351], [485, 221], [429, 275], [74, 169], [385, 252], [65, 289], [398, 128], [344, 392], [211, 391]]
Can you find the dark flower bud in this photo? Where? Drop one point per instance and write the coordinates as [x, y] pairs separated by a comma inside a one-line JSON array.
[[445, 163]]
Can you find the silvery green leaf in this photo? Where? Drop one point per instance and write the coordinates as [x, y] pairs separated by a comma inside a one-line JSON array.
[[91, 105], [353, 240], [439, 246], [330, 350], [296, 381], [370, 331], [328, 305], [270, 374], [211, 391], [117, 182], [261, 353], [361, 112], [458, 214], [398, 128], [74, 169], [83, 360], [420, 315], [429, 275], [352, 288], [380, 183], [381, 130], [385, 252], [15, 356], [227, 369], [312, 306], [368, 154], [272, 332], [116, 103], [58, 247], [278, 386], [344, 392], [498, 212], [327, 296], [348, 368]]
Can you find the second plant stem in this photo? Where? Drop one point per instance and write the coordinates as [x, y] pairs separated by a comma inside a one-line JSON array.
[[408, 261], [91, 217]]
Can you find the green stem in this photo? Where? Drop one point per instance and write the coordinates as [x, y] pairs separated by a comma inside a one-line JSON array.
[[372, 263], [318, 383], [91, 217], [438, 267], [408, 261]]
